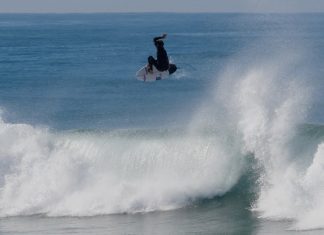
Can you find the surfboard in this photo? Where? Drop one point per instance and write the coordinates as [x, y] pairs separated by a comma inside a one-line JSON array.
[[144, 75]]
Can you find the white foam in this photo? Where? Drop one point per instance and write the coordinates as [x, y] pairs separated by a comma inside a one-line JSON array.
[[312, 184], [87, 174]]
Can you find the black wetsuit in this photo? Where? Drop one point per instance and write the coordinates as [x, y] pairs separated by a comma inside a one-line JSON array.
[[162, 61]]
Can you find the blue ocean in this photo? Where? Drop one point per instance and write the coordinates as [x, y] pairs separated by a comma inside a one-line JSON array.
[[231, 143]]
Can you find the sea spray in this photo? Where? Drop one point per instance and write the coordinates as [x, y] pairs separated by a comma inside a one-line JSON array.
[[268, 100]]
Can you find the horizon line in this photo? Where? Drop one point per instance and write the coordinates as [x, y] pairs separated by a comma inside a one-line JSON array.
[[166, 12]]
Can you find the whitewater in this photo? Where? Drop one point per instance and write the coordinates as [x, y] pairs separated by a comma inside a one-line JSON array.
[[250, 123]]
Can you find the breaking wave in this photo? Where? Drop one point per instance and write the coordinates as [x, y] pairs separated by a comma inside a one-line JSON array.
[[256, 109]]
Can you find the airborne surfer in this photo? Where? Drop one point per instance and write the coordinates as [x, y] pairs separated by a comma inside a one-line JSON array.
[[161, 62], [159, 68]]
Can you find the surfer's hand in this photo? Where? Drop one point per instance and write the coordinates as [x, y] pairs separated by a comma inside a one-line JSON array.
[[164, 35]]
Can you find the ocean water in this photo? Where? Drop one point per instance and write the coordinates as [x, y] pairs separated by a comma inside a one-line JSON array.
[[232, 143]]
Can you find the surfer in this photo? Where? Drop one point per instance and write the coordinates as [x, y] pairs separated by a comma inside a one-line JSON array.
[[161, 62]]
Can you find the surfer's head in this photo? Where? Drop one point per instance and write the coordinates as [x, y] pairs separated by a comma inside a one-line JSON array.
[[159, 43]]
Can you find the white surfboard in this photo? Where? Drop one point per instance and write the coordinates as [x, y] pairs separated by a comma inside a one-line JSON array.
[[144, 75]]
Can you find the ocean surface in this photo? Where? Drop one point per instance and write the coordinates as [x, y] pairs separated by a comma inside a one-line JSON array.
[[232, 143]]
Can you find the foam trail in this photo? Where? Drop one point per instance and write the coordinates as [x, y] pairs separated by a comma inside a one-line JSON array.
[[84, 174]]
